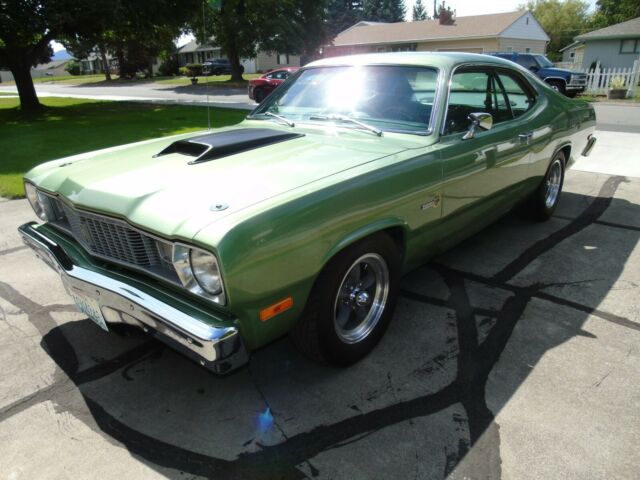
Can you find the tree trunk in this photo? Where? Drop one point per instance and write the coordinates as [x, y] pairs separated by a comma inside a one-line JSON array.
[[105, 63], [22, 74]]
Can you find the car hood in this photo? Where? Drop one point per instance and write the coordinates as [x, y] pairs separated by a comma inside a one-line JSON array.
[[168, 196], [563, 71]]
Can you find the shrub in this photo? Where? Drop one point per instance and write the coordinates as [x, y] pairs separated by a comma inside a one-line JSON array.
[[73, 67], [617, 83], [193, 69], [168, 67]]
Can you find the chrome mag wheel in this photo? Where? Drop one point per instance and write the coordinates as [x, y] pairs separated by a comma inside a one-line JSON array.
[[553, 184], [361, 298]]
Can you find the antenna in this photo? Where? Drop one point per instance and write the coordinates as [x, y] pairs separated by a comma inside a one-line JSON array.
[[206, 74]]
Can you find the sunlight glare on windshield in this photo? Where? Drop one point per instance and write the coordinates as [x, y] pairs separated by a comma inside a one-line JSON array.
[[344, 91]]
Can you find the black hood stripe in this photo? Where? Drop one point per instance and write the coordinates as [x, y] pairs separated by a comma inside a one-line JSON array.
[[218, 145]]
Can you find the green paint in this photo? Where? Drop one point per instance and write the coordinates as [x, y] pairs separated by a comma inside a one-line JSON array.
[[293, 205]]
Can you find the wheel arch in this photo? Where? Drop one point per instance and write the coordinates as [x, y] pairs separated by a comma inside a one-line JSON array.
[[394, 227]]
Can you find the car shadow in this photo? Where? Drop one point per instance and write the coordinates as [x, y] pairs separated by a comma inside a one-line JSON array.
[[422, 404]]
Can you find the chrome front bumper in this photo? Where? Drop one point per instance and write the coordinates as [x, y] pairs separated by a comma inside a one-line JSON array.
[[219, 349]]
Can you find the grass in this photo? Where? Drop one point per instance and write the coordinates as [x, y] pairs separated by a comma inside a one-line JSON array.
[[70, 126], [213, 80], [66, 79]]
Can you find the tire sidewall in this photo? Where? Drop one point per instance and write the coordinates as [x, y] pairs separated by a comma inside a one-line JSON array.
[[548, 211], [333, 349]]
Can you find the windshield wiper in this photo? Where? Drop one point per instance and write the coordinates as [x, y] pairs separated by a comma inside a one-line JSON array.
[[284, 120], [343, 118]]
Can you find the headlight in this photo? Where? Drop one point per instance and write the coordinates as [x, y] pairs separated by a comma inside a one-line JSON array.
[[198, 272], [38, 201], [205, 270]]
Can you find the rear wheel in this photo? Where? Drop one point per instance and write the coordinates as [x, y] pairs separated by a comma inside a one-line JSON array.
[[542, 203], [351, 303]]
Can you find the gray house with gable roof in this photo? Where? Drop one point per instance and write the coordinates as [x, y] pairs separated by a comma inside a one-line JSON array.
[[616, 46]]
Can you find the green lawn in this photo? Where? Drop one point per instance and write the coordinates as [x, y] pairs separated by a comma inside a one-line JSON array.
[[69, 126], [67, 79], [213, 80]]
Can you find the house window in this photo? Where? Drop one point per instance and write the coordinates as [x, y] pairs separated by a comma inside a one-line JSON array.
[[509, 49], [382, 49], [631, 45], [527, 50], [411, 47], [572, 54], [283, 59], [527, 21]]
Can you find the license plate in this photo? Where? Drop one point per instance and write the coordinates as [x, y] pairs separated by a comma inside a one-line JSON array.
[[91, 309]]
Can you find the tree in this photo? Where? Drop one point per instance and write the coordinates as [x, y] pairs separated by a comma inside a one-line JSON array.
[[562, 20], [295, 26], [342, 14], [384, 10], [26, 29], [419, 12], [610, 12]]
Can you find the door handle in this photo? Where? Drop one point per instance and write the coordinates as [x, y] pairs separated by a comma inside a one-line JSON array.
[[525, 137]]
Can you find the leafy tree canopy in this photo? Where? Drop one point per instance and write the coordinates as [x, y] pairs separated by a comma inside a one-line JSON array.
[[610, 12], [384, 10], [419, 12], [562, 20]]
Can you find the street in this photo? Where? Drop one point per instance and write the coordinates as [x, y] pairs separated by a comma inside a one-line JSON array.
[[513, 355], [148, 92]]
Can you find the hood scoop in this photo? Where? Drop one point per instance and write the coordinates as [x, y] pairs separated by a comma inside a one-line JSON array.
[[217, 145]]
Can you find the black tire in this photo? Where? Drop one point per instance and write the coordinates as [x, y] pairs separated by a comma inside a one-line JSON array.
[[572, 93], [316, 333], [542, 203], [217, 72], [259, 95], [558, 86]]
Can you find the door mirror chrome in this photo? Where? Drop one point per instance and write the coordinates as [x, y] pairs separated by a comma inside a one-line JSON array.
[[479, 121]]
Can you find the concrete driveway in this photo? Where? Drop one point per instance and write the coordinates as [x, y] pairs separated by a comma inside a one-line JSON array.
[[515, 355]]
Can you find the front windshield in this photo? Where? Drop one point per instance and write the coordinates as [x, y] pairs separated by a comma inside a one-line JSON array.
[[543, 61], [389, 98]]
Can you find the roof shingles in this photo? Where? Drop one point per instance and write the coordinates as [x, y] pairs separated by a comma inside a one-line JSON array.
[[464, 27]]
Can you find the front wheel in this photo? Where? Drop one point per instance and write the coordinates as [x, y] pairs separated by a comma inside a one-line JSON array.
[[558, 86], [259, 95], [351, 303], [542, 203]]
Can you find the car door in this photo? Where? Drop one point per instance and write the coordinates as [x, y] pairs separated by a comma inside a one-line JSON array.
[[481, 175]]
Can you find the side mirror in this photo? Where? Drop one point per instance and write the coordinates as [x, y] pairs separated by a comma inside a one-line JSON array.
[[480, 121]]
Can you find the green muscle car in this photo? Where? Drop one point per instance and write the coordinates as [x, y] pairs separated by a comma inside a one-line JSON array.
[[303, 218]]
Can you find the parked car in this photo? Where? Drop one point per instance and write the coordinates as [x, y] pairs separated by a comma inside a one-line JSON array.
[[567, 82], [218, 66], [260, 87], [303, 218]]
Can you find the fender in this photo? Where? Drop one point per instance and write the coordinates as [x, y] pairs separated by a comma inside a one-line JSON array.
[[362, 232]]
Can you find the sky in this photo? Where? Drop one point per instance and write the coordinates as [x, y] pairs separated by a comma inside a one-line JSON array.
[[462, 8]]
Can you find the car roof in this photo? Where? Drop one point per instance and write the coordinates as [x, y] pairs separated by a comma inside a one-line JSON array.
[[431, 59]]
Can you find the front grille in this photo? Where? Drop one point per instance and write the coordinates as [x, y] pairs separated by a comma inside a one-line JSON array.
[[110, 238]]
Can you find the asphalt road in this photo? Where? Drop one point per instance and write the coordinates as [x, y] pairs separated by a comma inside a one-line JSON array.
[[148, 92], [515, 356], [611, 116]]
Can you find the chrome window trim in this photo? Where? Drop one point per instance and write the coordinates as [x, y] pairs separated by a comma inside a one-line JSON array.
[[436, 98], [494, 67]]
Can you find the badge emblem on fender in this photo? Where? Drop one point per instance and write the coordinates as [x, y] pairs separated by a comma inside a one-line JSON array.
[[434, 202]]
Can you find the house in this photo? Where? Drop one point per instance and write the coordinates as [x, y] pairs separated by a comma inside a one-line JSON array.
[[93, 64], [54, 68], [615, 46], [193, 52], [512, 32], [573, 54]]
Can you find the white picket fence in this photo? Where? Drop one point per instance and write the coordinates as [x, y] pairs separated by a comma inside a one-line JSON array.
[[599, 79]]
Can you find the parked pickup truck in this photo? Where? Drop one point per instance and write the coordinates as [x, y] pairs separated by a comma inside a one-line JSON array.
[[564, 81]]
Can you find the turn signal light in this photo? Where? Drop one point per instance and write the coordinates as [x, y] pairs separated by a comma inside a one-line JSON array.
[[276, 308]]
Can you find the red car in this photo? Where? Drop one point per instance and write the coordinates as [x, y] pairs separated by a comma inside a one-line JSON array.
[[260, 87]]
